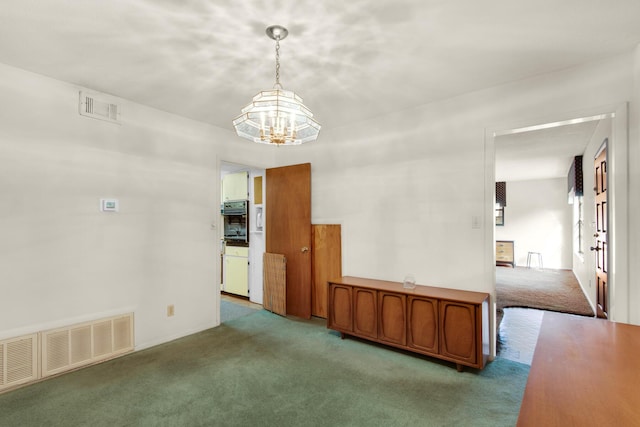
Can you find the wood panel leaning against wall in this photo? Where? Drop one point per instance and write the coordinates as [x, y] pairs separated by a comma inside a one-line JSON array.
[[326, 264]]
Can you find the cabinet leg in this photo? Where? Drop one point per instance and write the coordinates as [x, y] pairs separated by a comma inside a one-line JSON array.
[[342, 335], [459, 367]]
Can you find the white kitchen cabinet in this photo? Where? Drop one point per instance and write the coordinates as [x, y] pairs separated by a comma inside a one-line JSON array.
[[236, 270], [235, 186]]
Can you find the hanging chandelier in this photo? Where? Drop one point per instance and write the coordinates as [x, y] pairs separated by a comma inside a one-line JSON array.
[[277, 116]]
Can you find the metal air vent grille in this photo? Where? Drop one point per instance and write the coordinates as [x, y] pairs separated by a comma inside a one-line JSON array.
[[78, 345], [99, 108], [18, 360]]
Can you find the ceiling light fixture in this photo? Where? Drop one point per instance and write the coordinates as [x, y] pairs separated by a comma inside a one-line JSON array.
[[277, 116]]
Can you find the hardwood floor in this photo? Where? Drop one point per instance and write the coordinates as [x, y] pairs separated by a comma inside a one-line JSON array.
[[519, 332], [240, 301]]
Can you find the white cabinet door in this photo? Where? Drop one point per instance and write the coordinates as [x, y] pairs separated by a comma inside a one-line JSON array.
[[236, 275], [235, 186]]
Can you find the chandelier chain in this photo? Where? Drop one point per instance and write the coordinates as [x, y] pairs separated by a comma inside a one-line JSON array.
[[278, 85]]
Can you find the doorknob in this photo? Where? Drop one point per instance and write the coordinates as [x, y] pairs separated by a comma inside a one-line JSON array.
[[594, 249], [304, 249]]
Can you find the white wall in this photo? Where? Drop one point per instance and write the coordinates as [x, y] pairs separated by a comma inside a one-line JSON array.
[[538, 218], [407, 186], [64, 261], [416, 178], [634, 192]]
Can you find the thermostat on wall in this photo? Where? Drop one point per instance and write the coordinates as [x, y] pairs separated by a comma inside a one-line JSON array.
[[109, 205]]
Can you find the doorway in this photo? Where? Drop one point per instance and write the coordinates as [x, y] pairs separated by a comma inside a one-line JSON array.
[[618, 288], [288, 227], [241, 263]]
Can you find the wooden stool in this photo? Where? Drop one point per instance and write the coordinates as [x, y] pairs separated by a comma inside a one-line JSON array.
[[531, 255]]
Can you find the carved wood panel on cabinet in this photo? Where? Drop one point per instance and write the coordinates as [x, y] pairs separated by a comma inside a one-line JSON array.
[[422, 321], [458, 333], [339, 313], [365, 312], [392, 327]]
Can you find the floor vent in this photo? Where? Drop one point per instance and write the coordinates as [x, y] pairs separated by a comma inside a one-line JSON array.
[[86, 343], [18, 361]]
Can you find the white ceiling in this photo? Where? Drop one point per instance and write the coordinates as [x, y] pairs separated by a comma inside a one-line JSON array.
[[541, 153], [349, 60]]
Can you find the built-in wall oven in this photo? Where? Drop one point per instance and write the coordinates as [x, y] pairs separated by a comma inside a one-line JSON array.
[[236, 215]]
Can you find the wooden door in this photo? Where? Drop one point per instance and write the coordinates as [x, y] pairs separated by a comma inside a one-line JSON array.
[[288, 230], [600, 248], [326, 264]]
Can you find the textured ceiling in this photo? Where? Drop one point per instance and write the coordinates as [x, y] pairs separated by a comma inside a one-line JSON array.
[[349, 60], [541, 154]]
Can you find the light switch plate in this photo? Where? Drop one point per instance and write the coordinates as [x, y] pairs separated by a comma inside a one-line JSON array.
[[109, 205]]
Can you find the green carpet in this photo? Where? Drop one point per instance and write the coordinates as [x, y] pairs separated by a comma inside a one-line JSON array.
[[231, 311], [265, 370]]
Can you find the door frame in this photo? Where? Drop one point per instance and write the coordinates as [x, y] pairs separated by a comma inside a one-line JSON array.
[[256, 248], [604, 218], [618, 203]]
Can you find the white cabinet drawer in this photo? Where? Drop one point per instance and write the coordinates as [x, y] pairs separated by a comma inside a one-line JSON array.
[[236, 251]]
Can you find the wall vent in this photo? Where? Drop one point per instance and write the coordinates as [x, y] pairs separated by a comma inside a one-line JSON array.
[[86, 343], [18, 361], [98, 107]]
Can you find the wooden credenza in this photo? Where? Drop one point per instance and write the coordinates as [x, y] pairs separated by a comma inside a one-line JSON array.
[[505, 252], [445, 323]]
